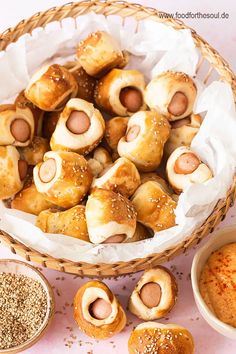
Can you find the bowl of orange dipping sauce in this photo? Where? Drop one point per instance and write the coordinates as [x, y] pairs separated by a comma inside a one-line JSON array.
[[213, 277]]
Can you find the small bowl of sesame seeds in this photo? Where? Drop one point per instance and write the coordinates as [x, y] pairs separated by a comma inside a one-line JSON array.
[[26, 306]]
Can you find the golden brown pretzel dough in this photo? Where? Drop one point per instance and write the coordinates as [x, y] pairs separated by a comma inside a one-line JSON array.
[[50, 120], [99, 53], [109, 214], [86, 85], [178, 178], [99, 160], [94, 320], [16, 125], [154, 295], [153, 176], [67, 178], [71, 222], [141, 233], [22, 102], [160, 338], [121, 177], [145, 149], [50, 87], [172, 94], [34, 152], [66, 137], [109, 89], [182, 133], [11, 177], [154, 206], [30, 201], [115, 129]]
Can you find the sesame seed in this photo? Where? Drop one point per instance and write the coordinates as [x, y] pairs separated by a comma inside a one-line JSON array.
[[23, 306]]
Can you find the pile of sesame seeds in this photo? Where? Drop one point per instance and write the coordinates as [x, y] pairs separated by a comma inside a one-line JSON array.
[[23, 306]]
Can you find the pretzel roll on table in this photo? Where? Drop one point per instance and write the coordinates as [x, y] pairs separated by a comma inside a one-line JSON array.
[[71, 222], [121, 92], [185, 168], [97, 311], [50, 87], [30, 201], [111, 218], [172, 94], [34, 152], [154, 295], [144, 141], [120, 177], [64, 178], [99, 53], [16, 125], [158, 338], [99, 160], [154, 206], [80, 128], [115, 129], [13, 171], [182, 132], [22, 102]]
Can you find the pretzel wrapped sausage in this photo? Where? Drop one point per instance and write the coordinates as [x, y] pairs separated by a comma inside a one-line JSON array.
[[153, 337], [154, 295], [63, 178], [121, 177], [30, 201], [172, 94], [121, 92], [154, 206], [71, 222], [182, 132], [97, 311], [51, 87], [185, 168], [16, 125], [111, 218], [144, 141], [80, 128], [22, 102], [13, 171], [99, 53]]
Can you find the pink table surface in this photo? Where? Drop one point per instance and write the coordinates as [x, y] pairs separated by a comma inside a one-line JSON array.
[[63, 335]]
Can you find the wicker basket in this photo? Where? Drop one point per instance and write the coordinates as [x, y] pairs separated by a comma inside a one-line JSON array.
[[210, 65]]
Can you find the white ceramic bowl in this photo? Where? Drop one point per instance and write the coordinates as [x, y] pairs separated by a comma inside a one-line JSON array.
[[19, 267], [221, 238]]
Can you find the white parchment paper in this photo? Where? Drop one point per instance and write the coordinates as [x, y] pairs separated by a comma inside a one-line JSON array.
[[154, 47]]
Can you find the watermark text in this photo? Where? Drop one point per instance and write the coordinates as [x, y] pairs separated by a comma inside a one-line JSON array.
[[195, 15]]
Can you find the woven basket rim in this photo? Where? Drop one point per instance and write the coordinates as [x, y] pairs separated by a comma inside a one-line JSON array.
[[139, 12], [29, 249]]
